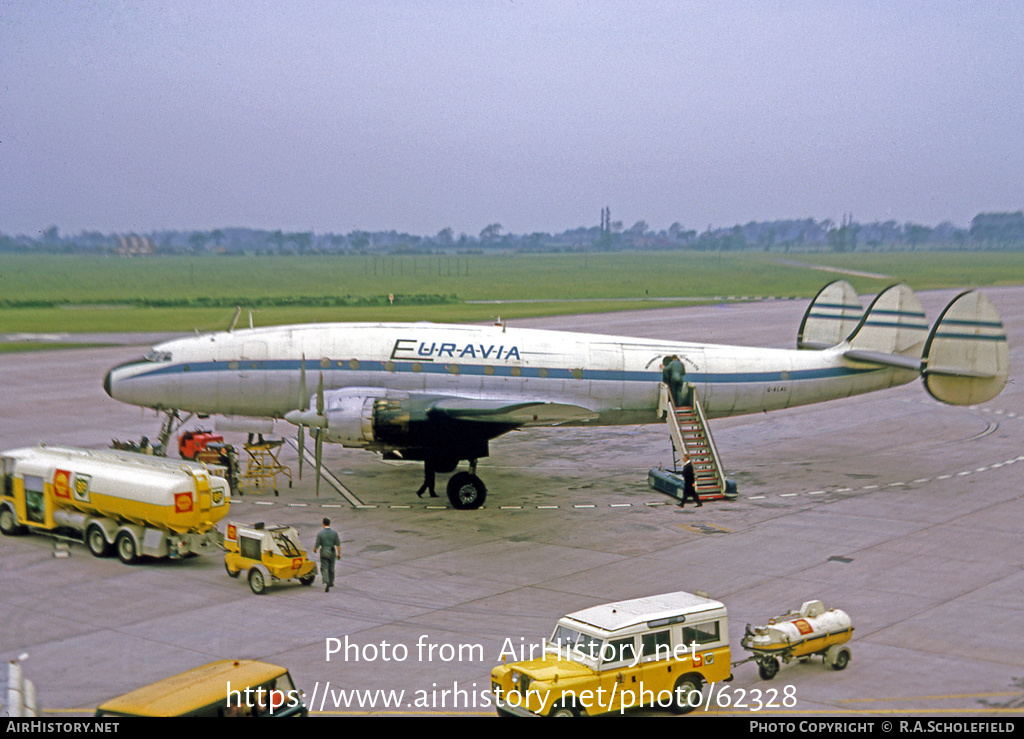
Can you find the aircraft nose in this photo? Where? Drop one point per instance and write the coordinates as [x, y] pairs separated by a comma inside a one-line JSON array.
[[106, 384]]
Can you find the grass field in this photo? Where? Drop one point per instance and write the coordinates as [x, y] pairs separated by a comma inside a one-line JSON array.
[[97, 293]]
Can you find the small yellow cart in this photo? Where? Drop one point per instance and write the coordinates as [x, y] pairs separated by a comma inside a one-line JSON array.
[[267, 553]]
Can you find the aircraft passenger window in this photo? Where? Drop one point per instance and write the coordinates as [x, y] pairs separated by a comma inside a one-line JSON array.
[[389, 366], [417, 367], [577, 374], [542, 372], [453, 368], [325, 363], [488, 370], [353, 364], [232, 365], [516, 372]]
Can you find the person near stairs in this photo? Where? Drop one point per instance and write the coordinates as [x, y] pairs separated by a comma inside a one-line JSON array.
[[689, 480]]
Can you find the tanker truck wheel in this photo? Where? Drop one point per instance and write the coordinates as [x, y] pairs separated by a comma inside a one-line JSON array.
[[768, 668], [96, 540], [127, 551]]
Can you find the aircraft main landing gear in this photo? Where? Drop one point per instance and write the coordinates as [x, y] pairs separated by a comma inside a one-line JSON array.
[[466, 491]]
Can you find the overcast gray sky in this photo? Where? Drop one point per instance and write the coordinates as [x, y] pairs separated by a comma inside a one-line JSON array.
[[416, 116]]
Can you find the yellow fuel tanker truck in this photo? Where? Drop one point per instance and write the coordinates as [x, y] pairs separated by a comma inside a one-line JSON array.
[[130, 504]]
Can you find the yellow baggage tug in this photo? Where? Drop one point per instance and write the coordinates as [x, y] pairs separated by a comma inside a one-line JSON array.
[[813, 630], [268, 553], [659, 650]]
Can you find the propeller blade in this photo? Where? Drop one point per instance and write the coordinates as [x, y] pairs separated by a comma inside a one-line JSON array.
[[320, 396], [319, 458], [302, 447]]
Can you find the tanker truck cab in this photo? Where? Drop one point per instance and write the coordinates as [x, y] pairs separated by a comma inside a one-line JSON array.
[[655, 651], [129, 504]]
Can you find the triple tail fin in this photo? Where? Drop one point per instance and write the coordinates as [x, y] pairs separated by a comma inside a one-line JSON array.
[[966, 358], [832, 316], [892, 332]]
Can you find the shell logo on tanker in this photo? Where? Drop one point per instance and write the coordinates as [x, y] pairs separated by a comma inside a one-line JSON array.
[[61, 484], [802, 626], [182, 502]]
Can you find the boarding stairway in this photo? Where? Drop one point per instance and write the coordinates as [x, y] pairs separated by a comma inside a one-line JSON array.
[[688, 428]]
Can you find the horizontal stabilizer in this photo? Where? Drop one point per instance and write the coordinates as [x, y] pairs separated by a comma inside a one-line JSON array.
[[966, 358], [889, 360], [831, 317], [893, 324], [519, 413]]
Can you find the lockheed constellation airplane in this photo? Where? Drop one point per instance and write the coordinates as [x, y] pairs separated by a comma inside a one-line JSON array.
[[440, 393]]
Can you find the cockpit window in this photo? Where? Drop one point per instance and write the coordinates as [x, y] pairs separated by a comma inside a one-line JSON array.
[[156, 356]]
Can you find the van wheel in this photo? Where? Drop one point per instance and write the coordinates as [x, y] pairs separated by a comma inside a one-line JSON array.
[[9, 524], [257, 583], [127, 551], [96, 540], [768, 668], [682, 695]]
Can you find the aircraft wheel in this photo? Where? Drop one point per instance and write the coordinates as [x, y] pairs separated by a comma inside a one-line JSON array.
[[466, 491], [768, 668], [257, 583], [8, 523], [682, 695], [127, 550], [96, 540]]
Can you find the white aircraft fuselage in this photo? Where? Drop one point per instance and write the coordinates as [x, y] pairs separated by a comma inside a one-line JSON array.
[[257, 372], [440, 393]]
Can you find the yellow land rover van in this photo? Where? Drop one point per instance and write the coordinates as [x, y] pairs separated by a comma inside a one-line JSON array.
[[653, 651], [224, 688]]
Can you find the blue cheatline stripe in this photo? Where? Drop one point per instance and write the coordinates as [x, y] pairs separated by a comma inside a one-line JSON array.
[[896, 324], [969, 337], [890, 312], [365, 366], [841, 306], [971, 322]]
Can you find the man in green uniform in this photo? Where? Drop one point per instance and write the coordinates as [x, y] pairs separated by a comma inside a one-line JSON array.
[[328, 543]]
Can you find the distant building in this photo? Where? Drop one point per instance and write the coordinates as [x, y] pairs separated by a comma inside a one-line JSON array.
[[133, 246]]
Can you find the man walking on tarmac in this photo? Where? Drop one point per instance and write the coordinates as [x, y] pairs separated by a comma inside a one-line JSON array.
[[329, 544]]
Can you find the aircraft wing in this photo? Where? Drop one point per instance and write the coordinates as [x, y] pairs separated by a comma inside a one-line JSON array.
[[517, 412]]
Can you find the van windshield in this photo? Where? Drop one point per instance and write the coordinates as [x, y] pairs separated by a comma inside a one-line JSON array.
[[575, 644]]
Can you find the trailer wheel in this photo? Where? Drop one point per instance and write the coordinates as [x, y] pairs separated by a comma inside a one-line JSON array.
[[9, 523], [839, 657], [768, 668], [96, 540], [231, 572], [308, 579], [257, 583], [127, 551]]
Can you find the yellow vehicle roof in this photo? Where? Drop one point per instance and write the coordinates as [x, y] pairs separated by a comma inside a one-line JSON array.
[[192, 690]]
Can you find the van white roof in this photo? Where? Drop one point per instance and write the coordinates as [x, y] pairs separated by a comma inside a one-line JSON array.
[[626, 613]]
